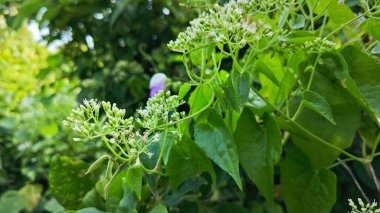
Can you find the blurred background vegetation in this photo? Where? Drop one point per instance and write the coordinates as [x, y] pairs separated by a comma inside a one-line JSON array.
[[104, 49]]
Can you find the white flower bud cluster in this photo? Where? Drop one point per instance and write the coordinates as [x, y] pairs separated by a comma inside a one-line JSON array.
[[160, 110], [120, 132], [319, 45], [77, 120], [363, 208], [232, 22]]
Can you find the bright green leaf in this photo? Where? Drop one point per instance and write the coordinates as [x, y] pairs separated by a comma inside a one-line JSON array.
[[265, 70], [183, 90], [199, 98], [159, 209], [372, 26]]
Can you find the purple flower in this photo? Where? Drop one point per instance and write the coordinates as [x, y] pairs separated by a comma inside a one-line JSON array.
[[157, 83]]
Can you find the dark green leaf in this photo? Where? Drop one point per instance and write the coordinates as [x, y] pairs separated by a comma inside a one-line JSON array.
[[241, 84], [93, 199], [216, 141], [134, 180], [28, 8], [305, 189], [68, 181], [170, 140], [317, 103], [344, 109], [259, 148], [187, 160], [365, 73]]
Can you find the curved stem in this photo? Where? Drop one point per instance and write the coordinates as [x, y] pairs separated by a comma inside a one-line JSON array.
[[343, 25], [356, 182], [309, 134], [162, 151], [192, 115], [375, 146]]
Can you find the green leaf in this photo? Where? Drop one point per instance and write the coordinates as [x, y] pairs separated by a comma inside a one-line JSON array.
[[317, 103], [259, 148], [344, 109], [337, 13], [87, 210], [236, 89], [265, 70], [371, 26], [298, 37], [305, 189], [12, 202], [159, 209], [229, 94], [241, 82], [183, 90], [365, 73], [297, 22], [27, 8], [68, 181], [53, 206], [115, 192], [187, 160], [170, 140], [216, 141], [32, 193], [93, 199], [199, 98], [134, 180]]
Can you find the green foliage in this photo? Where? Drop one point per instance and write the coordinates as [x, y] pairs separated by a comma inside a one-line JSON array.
[[216, 141], [304, 188], [259, 149], [68, 181], [280, 97]]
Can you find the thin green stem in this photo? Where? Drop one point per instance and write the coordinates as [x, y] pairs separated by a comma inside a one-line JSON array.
[[308, 134], [162, 151], [343, 25], [192, 115], [377, 140]]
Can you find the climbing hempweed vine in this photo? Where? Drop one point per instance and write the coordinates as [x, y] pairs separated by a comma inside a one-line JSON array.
[[281, 88]]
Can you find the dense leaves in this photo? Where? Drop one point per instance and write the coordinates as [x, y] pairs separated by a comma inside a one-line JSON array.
[[277, 107], [304, 188]]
